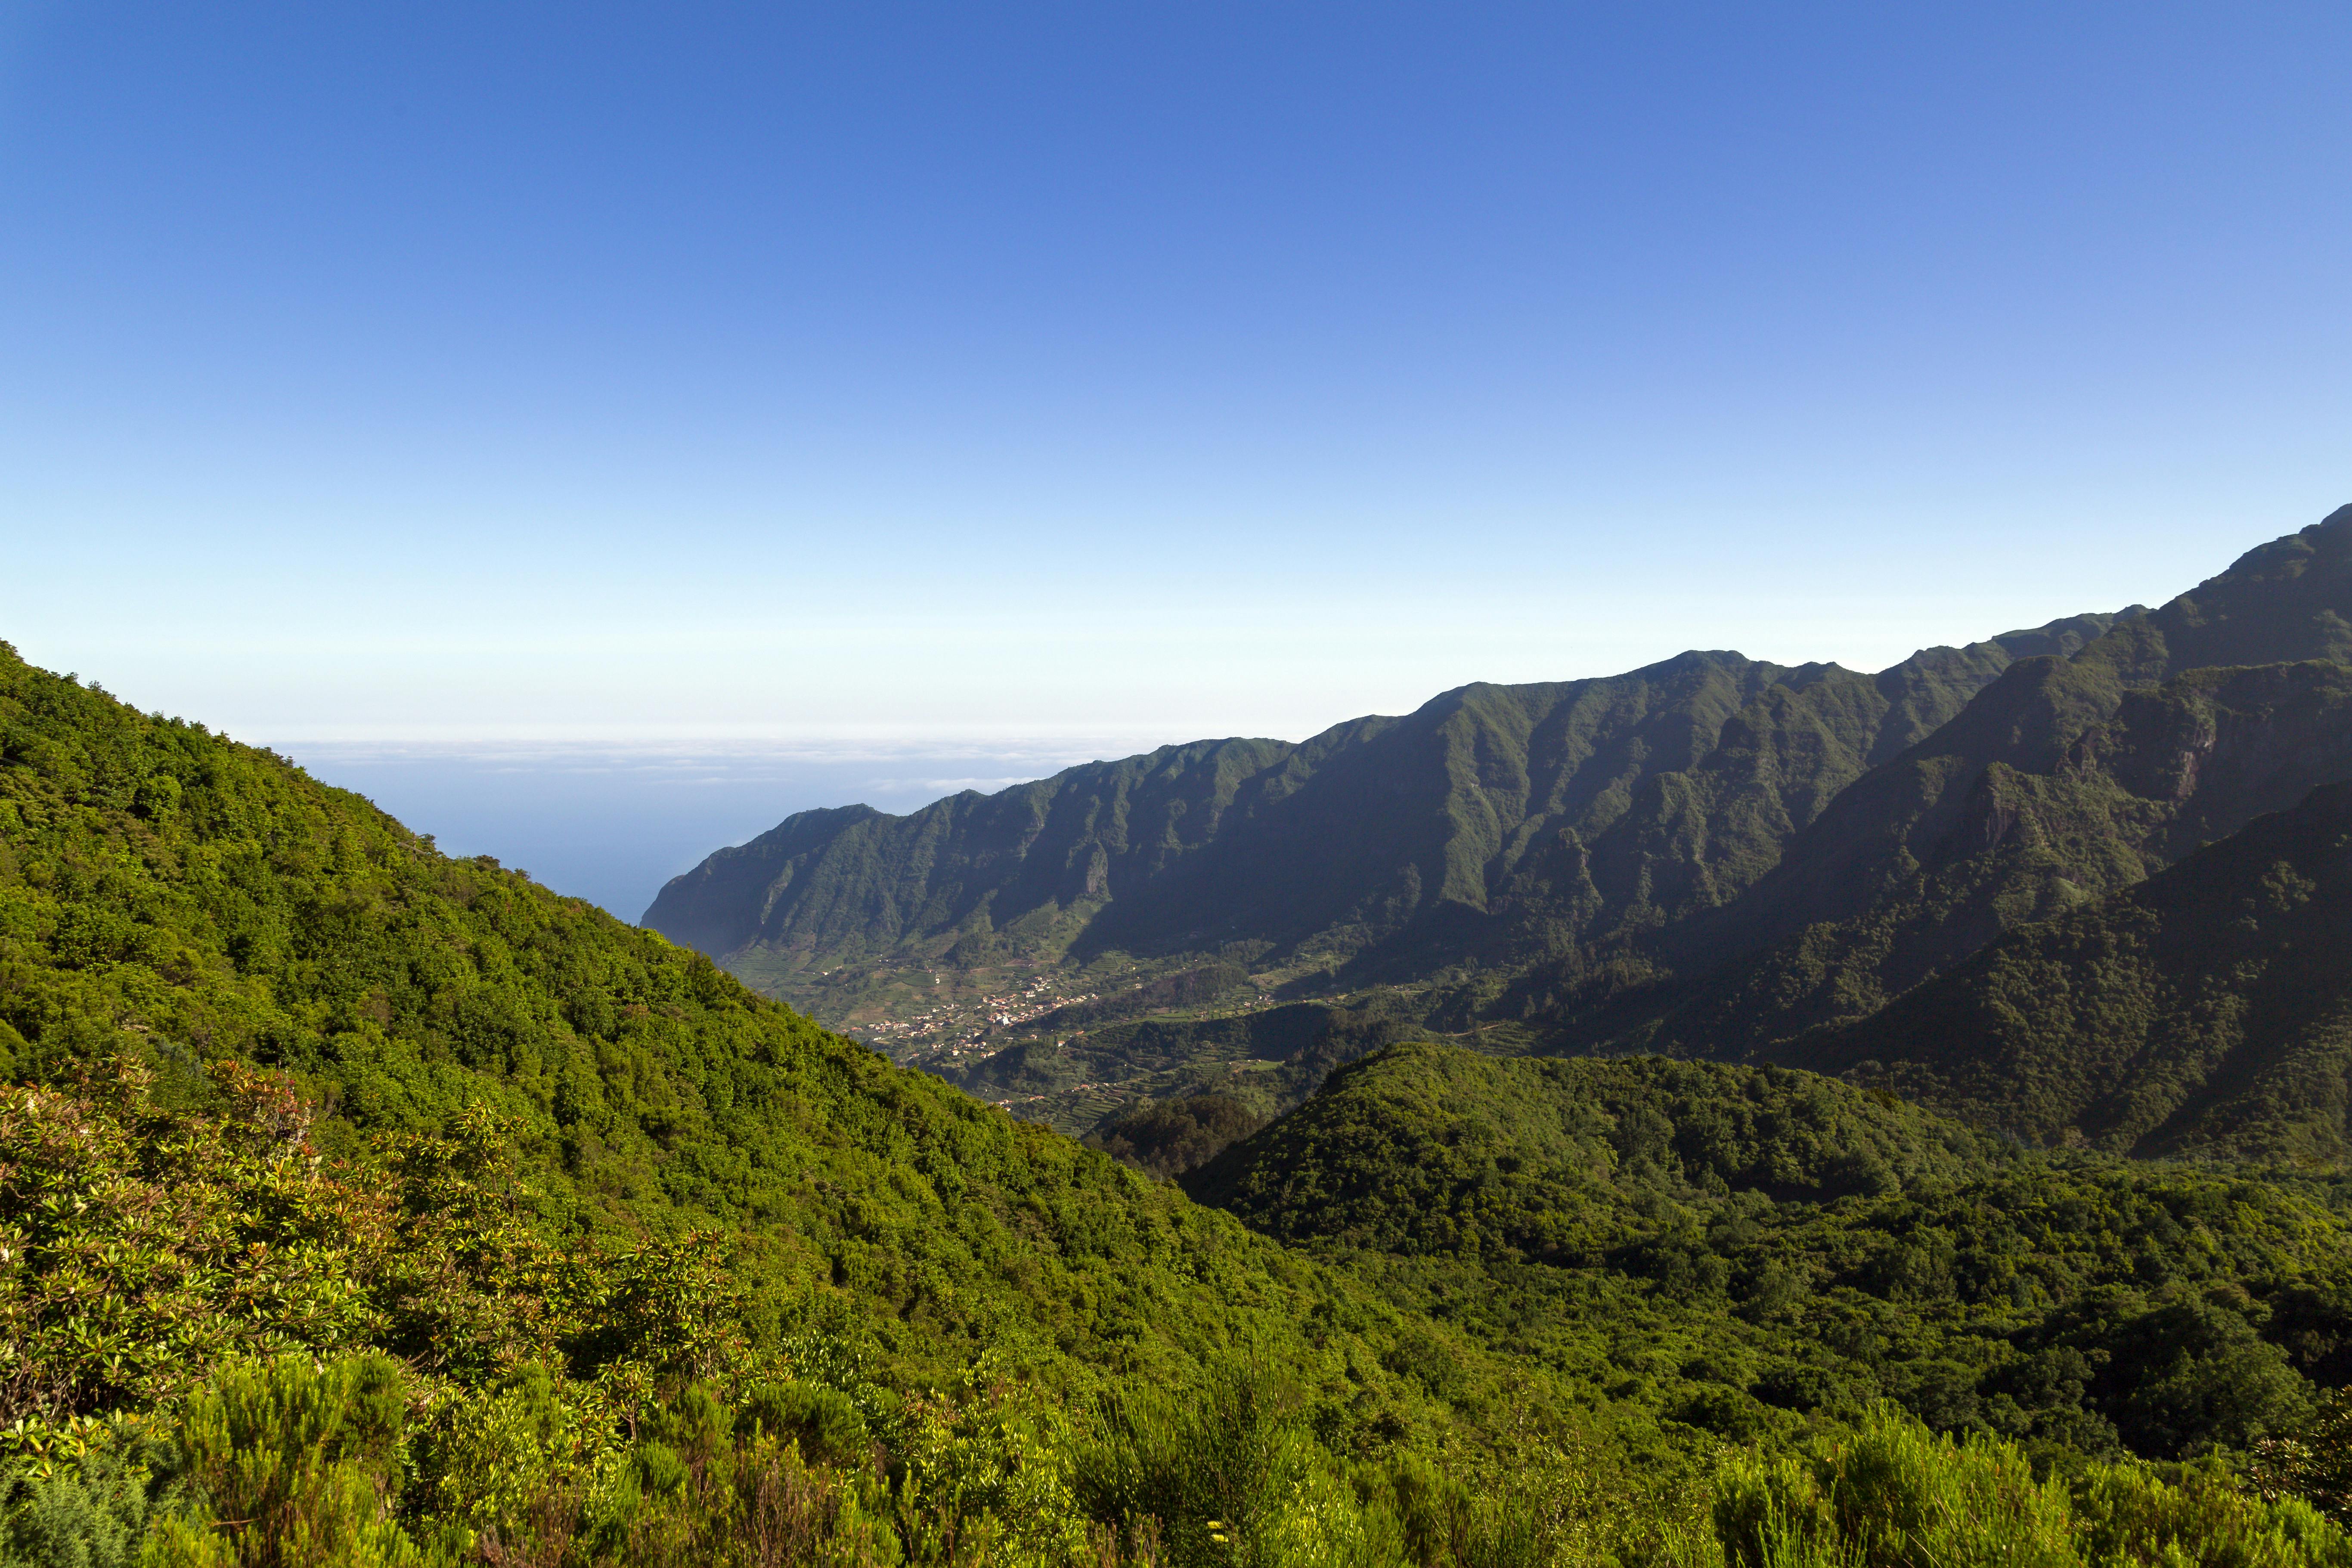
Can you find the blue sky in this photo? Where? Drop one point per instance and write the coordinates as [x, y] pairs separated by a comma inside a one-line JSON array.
[[647, 374]]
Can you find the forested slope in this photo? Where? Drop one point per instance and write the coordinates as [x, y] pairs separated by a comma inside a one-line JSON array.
[[1735, 1244], [362, 1206], [2032, 835], [2061, 781], [167, 892], [2206, 1011], [622, 1168], [2288, 601]]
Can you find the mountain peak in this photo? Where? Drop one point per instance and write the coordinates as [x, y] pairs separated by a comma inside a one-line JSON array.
[[2287, 600]]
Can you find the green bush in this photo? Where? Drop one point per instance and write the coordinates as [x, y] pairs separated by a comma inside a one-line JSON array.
[[823, 1423], [87, 1512], [1895, 1495], [2199, 1517], [289, 1465]]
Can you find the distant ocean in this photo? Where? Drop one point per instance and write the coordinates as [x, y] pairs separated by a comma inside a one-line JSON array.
[[612, 823]]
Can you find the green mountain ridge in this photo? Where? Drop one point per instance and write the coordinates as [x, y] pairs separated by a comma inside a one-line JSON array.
[[1709, 858], [2284, 603], [2090, 806], [1493, 825]]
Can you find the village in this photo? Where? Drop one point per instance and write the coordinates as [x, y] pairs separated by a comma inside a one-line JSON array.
[[957, 1027]]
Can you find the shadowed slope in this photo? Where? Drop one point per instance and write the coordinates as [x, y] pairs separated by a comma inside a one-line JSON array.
[[2171, 770], [2206, 1011], [2062, 780], [2286, 602]]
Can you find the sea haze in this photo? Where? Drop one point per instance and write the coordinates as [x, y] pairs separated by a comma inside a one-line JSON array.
[[611, 822]]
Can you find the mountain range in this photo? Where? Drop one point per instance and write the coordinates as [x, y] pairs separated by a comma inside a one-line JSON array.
[[1712, 857], [1496, 821]]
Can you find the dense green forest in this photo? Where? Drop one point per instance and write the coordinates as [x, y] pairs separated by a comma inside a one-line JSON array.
[[296, 1085], [2205, 1011], [2056, 787], [1745, 1249], [2062, 780], [360, 1204]]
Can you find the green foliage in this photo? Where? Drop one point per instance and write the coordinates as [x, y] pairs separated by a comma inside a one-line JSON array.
[[2206, 1011], [2058, 786], [1742, 1251], [1429, 1149], [2055, 792], [1236, 1474], [824, 1424], [1171, 1136], [651, 1107], [296, 1090], [137, 1250], [2313, 1463], [294, 1464], [87, 1512], [1893, 1494], [1211, 1474]]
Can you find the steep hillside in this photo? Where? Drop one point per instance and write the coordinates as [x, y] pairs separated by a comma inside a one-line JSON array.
[[1031, 862], [1493, 827], [1706, 858], [174, 899], [1737, 1244], [2206, 1011], [2031, 836], [2062, 780], [2288, 601], [1430, 1149]]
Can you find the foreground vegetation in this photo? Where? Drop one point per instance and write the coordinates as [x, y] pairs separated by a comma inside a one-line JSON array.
[[1749, 1251]]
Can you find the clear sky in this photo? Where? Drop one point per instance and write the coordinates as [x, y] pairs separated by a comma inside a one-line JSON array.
[[503, 372]]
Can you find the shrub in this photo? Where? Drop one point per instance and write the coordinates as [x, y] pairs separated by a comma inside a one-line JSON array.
[[89, 1512], [1893, 1494], [289, 1465]]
